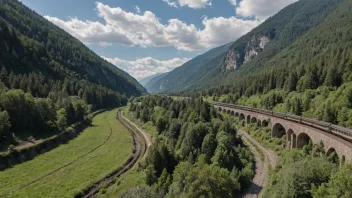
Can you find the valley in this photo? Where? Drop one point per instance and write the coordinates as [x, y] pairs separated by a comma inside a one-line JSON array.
[[176, 98]]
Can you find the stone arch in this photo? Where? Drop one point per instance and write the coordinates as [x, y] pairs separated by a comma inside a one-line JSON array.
[[219, 109], [242, 116], [248, 119], [232, 113], [253, 120], [259, 123], [302, 140], [294, 141], [228, 111], [278, 131], [237, 114], [265, 123], [343, 159], [291, 137], [224, 110], [332, 155]]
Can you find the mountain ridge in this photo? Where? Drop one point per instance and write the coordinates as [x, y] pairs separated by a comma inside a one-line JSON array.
[[46, 37], [251, 51]]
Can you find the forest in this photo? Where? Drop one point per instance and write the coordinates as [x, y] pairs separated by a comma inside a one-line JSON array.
[[195, 146], [50, 80], [25, 117]]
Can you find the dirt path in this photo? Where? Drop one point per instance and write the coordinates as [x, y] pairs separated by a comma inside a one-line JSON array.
[[145, 135], [261, 172], [141, 141]]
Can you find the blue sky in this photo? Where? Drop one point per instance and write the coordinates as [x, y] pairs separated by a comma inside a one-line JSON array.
[[144, 37]]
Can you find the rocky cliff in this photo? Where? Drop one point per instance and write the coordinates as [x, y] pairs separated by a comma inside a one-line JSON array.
[[236, 57]]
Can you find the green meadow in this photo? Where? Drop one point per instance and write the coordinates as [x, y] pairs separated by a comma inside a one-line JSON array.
[[75, 178]]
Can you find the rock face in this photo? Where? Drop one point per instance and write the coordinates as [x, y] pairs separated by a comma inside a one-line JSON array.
[[232, 60], [236, 57]]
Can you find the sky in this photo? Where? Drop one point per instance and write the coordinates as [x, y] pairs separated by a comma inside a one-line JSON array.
[[145, 37]]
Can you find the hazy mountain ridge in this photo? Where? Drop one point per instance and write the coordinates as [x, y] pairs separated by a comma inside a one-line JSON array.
[[151, 83], [145, 80], [190, 72]]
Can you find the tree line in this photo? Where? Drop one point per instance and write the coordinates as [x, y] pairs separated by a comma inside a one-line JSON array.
[[36, 106]]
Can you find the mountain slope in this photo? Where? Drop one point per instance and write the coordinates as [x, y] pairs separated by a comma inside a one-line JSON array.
[[49, 80], [152, 82], [190, 72], [254, 49], [146, 80], [283, 29], [30, 43]]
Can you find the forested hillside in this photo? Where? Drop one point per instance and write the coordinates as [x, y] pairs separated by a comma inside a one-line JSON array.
[[312, 77], [48, 79], [255, 51], [191, 72], [194, 146]]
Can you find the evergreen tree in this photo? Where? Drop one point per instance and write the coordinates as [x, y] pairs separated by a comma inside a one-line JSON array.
[[4, 77], [332, 77], [292, 82], [328, 114]]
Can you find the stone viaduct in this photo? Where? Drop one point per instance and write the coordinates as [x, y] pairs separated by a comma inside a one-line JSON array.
[[298, 130]]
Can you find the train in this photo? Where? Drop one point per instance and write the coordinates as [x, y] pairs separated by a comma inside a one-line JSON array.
[[342, 132]]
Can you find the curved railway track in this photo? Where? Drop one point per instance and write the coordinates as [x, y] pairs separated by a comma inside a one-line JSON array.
[[141, 147], [61, 167]]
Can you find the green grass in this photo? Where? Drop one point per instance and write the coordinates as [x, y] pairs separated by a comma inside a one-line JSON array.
[[72, 179], [128, 180]]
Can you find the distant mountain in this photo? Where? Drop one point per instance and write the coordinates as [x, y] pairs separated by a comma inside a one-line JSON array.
[[192, 71], [30, 43], [152, 82], [145, 80], [250, 54]]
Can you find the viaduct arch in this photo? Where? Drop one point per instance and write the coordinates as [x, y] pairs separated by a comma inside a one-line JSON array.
[[295, 130]]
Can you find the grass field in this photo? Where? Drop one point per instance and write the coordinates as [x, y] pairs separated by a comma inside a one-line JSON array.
[[128, 180], [72, 179]]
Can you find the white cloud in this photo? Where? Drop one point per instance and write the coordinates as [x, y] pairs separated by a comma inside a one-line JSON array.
[[138, 10], [195, 3], [93, 32], [143, 67], [222, 30], [171, 3], [233, 2], [261, 9], [126, 28]]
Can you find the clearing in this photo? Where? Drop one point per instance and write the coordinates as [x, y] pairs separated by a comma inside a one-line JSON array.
[[71, 168]]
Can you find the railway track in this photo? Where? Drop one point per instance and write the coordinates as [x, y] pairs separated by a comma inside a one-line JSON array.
[[141, 147]]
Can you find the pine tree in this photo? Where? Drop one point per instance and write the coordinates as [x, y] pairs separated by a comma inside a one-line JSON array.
[[332, 77], [292, 82], [328, 115], [4, 77]]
